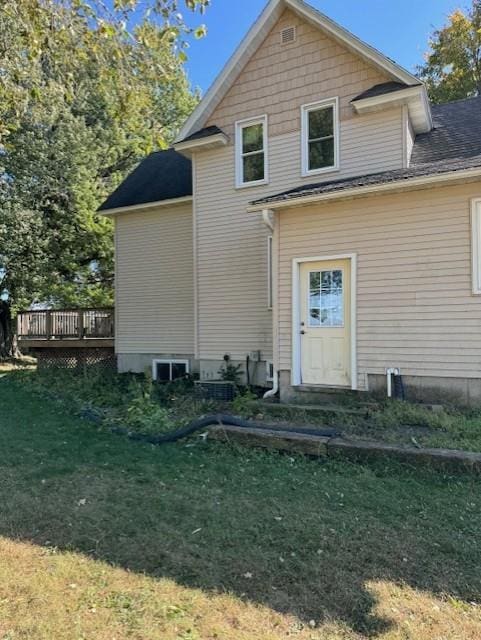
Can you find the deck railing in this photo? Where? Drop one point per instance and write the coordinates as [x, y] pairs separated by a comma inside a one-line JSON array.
[[66, 324]]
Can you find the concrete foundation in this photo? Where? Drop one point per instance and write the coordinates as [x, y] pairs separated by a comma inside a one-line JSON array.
[[206, 369], [458, 391], [142, 362]]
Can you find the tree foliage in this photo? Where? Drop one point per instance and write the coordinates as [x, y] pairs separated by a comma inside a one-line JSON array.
[[86, 90], [452, 70]]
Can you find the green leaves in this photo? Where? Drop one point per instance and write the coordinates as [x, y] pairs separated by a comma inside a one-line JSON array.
[[84, 95], [453, 65]]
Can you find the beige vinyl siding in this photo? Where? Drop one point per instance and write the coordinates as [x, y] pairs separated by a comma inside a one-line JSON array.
[[278, 78], [415, 308], [231, 245], [154, 281]]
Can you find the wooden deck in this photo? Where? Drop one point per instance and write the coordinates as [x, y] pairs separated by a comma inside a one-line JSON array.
[[66, 329]]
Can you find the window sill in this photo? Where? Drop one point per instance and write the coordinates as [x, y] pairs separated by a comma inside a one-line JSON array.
[[248, 185], [320, 172]]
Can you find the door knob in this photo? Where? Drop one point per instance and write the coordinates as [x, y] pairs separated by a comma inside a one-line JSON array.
[[303, 332]]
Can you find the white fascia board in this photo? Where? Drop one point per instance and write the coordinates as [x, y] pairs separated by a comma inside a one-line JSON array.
[[414, 97], [146, 205], [358, 192], [253, 39], [217, 140]]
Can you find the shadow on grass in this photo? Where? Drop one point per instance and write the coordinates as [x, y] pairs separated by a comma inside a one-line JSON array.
[[299, 536]]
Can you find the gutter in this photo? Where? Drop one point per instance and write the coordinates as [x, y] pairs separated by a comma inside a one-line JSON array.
[[374, 189], [146, 205]]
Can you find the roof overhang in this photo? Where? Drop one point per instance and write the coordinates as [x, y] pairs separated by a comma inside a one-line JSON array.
[[254, 38], [186, 147], [402, 184], [415, 98], [145, 206]]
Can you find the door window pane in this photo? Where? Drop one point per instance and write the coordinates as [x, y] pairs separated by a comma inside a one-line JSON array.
[[326, 298]]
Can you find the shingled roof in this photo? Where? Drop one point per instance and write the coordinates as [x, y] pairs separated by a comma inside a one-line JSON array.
[[206, 132], [163, 175], [381, 90], [453, 145]]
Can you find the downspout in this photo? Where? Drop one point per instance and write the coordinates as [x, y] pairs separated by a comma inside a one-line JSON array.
[[268, 218]]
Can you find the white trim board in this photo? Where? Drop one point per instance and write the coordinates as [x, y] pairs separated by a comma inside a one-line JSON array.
[[296, 336], [254, 38], [146, 205], [476, 245]]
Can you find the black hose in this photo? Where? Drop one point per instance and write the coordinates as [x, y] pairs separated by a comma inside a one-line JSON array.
[[208, 421]]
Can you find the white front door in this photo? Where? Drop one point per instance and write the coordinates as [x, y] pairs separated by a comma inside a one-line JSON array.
[[325, 322]]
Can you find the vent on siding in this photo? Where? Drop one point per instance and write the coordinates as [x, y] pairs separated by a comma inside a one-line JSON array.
[[288, 35]]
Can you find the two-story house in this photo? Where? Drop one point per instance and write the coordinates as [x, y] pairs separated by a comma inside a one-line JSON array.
[[315, 214]]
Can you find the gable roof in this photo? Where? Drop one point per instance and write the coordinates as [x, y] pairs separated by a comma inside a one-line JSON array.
[[254, 38], [163, 175], [453, 145]]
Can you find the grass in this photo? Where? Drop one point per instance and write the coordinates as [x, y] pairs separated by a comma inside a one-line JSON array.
[[135, 402], [394, 422], [101, 538]]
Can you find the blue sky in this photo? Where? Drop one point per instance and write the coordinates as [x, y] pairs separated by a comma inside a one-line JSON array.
[[398, 28]]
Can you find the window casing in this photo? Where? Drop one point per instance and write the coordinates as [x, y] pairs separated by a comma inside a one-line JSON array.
[[168, 370], [251, 152], [320, 137], [476, 244]]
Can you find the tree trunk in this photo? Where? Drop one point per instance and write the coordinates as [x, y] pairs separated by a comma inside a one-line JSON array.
[[8, 343]]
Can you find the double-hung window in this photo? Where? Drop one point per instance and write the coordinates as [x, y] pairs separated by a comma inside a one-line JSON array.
[[320, 137], [251, 152]]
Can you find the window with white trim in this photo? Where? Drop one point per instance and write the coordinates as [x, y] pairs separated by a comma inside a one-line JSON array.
[[169, 370], [320, 137], [269, 273], [251, 152], [476, 244]]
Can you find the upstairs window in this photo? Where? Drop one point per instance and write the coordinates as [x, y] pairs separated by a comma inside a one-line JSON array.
[[251, 152], [320, 137]]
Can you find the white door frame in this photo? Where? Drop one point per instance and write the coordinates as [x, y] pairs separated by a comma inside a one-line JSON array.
[[296, 311]]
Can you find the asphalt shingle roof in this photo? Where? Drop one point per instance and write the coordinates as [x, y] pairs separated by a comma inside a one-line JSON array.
[[203, 133], [163, 175], [380, 90], [454, 144]]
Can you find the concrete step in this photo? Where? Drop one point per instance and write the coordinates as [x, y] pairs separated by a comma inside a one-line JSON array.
[[331, 409], [307, 394]]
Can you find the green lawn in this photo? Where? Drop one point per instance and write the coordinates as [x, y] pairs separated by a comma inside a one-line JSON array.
[[103, 539]]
